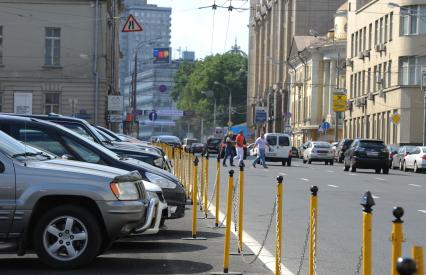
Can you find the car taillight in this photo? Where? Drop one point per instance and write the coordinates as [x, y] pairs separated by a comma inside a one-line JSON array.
[[424, 157]]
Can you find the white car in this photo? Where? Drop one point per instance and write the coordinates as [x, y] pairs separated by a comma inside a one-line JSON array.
[[415, 159], [279, 148], [318, 151]]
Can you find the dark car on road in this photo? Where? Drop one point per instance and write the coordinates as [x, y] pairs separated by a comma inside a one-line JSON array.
[[367, 154], [213, 145], [197, 148], [342, 146], [69, 145]]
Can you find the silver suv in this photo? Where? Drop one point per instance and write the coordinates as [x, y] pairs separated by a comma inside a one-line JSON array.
[[68, 212]]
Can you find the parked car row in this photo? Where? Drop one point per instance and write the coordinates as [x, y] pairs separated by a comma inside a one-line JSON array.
[[72, 188]]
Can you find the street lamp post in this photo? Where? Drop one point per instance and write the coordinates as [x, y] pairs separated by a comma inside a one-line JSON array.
[[210, 93], [229, 101]]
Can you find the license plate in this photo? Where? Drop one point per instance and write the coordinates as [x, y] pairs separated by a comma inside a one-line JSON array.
[[272, 154], [372, 154]]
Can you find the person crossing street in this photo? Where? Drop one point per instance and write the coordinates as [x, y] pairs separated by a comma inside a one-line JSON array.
[[229, 150], [261, 144], [239, 140]]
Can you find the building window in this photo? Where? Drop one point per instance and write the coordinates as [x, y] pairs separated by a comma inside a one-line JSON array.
[[363, 83], [360, 41], [355, 85], [413, 20], [352, 86], [381, 31], [352, 45], [369, 80], [410, 69], [389, 73], [386, 28], [374, 79], [356, 44], [376, 32], [53, 45], [384, 79], [364, 41], [1, 45], [390, 26], [370, 31], [51, 103]]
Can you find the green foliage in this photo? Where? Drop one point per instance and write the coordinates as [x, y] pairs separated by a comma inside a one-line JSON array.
[[192, 78]]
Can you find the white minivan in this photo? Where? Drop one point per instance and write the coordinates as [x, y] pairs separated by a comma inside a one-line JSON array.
[[279, 148]]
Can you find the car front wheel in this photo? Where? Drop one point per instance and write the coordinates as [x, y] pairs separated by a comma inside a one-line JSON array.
[[416, 168], [67, 236]]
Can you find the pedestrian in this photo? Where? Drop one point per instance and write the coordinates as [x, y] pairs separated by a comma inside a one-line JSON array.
[[261, 144], [229, 150], [240, 147]]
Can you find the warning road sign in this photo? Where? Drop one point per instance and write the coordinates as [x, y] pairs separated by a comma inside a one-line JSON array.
[[131, 25], [339, 102]]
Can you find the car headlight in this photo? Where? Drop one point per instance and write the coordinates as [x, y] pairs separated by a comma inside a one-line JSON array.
[[158, 162], [151, 195], [125, 191], [160, 181]]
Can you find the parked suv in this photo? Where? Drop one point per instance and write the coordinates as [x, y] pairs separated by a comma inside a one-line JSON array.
[[68, 212], [342, 146], [367, 154], [67, 144]]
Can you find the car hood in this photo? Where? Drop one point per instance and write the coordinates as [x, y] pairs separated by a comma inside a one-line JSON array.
[[78, 168], [151, 169], [130, 149]]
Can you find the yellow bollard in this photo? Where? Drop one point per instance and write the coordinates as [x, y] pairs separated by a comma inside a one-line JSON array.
[[278, 241], [397, 237], [367, 202], [216, 223], [313, 229], [417, 254], [194, 199], [206, 184], [240, 207], [202, 182], [189, 177], [228, 221]]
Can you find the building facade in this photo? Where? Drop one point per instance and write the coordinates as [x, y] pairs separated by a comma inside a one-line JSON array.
[[385, 59], [56, 61], [273, 25]]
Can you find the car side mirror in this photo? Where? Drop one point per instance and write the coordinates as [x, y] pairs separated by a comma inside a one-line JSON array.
[[67, 157], [2, 168]]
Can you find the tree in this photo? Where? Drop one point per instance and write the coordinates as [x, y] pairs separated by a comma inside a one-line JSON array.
[[192, 79]]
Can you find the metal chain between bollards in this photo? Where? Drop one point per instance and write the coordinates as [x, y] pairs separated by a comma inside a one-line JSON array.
[[235, 205], [314, 241], [359, 264], [305, 245]]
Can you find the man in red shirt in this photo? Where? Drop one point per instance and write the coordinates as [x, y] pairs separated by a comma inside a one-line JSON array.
[[240, 147]]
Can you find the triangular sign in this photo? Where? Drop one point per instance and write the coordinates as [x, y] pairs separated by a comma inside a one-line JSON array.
[[131, 25]]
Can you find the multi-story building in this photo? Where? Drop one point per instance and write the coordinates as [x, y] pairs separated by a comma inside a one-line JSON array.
[[317, 73], [156, 24], [56, 56], [385, 58], [273, 25]]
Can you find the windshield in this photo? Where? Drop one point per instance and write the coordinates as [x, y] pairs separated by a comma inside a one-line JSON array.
[[111, 134], [372, 144], [322, 145], [190, 141], [11, 147], [169, 139], [105, 135], [214, 141]]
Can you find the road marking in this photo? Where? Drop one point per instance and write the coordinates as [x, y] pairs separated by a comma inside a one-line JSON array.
[[415, 185], [334, 186], [304, 179], [330, 171], [379, 179], [423, 211], [283, 174], [376, 197], [352, 174], [266, 257]]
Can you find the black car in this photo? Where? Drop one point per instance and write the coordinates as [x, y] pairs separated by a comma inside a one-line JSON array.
[[367, 154], [67, 144], [213, 145], [341, 148], [197, 148], [85, 129]]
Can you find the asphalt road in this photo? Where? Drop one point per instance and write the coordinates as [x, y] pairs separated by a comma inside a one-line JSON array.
[[339, 211]]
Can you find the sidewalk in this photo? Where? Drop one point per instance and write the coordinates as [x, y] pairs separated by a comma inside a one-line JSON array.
[[164, 253]]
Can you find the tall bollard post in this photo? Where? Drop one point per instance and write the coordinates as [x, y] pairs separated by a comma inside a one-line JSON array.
[[206, 185], [189, 174], [194, 204], [228, 221], [278, 241], [417, 254], [397, 237], [367, 202], [313, 206], [217, 183], [202, 181], [240, 207], [406, 266]]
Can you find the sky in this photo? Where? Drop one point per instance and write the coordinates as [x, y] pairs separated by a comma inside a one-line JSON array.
[[193, 28]]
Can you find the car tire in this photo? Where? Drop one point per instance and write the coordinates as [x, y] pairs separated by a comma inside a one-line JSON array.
[[404, 167], [385, 170], [289, 162], [416, 168], [346, 168], [304, 161], [326, 162], [84, 224], [331, 162], [377, 170], [353, 168], [401, 168], [283, 163]]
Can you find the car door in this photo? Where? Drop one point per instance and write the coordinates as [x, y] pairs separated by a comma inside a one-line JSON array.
[[273, 145], [412, 157], [283, 147], [7, 194]]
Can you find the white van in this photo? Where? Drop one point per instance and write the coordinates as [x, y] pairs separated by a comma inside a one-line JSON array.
[[279, 148]]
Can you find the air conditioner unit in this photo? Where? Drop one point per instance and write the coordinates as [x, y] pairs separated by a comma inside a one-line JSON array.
[[382, 47], [377, 48], [370, 96], [349, 62], [361, 55], [379, 80], [367, 53], [381, 93]]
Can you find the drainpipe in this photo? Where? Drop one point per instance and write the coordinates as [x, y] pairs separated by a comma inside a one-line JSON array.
[[95, 60]]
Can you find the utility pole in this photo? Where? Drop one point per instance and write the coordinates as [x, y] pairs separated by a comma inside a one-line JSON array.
[[135, 76], [229, 108], [113, 47], [423, 86], [336, 125]]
